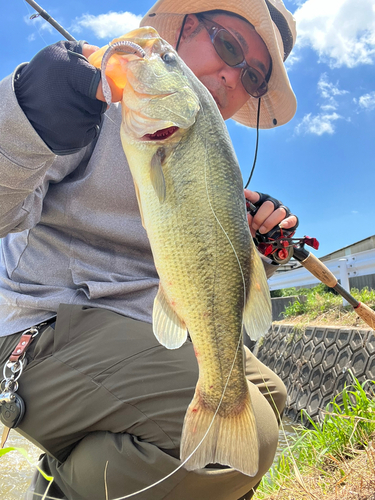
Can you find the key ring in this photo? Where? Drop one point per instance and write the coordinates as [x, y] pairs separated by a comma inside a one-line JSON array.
[[9, 386], [16, 373]]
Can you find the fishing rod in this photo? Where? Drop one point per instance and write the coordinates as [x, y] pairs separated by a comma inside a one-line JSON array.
[[280, 246], [51, 20]]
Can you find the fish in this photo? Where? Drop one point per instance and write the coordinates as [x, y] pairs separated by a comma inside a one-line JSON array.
[[191, 200]]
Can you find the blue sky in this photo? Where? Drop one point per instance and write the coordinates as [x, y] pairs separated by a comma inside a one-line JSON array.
[[321, 164]]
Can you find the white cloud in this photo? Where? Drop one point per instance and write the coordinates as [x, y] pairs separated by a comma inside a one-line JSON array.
[[322, 123], [108, 25], [292, 60], [342, 32], [367, 101], [328, 89], [328, 107]]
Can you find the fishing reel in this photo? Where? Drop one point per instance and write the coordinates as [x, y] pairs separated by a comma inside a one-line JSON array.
[[279, 244]]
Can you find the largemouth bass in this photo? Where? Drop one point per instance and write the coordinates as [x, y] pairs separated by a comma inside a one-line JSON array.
[[212, 282]]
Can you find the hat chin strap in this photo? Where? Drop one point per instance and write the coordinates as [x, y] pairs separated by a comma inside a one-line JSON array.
[[181, 31], [256, 145]]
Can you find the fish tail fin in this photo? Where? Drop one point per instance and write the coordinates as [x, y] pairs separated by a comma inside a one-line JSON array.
[[232, 440]]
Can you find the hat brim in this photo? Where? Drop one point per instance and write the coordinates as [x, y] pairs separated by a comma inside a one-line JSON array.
[[279, 105]]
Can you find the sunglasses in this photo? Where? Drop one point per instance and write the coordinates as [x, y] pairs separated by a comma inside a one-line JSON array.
[[230, 51]]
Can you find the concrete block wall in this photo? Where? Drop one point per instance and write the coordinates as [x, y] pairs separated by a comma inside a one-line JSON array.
[[313, 363], [280, 303]]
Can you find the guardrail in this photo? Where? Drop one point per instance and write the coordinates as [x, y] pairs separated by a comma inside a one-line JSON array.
[[358, 264]]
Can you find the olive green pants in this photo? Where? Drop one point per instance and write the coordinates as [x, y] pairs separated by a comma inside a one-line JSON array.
[[107, 402]]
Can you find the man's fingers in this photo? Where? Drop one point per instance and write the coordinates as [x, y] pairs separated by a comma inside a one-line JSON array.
[[266, 212], [275, 218], [88, 49], [252, 196], [270, 214], [116, 91], [289, 222]]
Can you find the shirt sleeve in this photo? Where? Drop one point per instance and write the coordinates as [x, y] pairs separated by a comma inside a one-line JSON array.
[[57, 92], [27, 165]]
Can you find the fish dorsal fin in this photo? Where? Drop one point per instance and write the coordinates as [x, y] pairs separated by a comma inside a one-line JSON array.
[[156, 174], [257, 317], [170, 331]]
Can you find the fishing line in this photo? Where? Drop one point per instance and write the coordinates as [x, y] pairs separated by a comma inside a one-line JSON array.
[[230, 371], [281, 424], [44, 495], [240, 337], [42, 13], [241, 271], [31, 16]]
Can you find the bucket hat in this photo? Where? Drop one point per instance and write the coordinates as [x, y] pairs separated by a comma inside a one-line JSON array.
[[276, 26]]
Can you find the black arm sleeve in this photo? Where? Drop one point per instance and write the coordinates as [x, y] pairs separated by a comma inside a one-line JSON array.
[[56, 91]]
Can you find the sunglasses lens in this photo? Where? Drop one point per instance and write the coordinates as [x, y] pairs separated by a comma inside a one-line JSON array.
[[230, 51], [254, 83], [228, 48]]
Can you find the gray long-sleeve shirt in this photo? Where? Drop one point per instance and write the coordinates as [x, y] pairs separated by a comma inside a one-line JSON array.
[[70, 225]]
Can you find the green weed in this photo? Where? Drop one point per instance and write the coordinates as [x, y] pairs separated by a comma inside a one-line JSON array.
[[348, 425], [322, 299]]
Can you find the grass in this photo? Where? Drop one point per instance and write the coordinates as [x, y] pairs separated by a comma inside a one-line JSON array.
[[334, 458], [324, 305]]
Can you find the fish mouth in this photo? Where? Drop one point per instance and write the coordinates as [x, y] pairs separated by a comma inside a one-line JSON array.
[[161, 135]]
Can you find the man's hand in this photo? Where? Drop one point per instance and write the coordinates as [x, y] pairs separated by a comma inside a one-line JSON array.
[[87, 50], [269, 215]]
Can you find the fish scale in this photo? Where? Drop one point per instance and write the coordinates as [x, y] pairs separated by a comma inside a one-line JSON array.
[[190, 194]]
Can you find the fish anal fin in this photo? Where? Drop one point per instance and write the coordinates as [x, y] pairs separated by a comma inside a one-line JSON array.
[[231, 440], [156, 174], [170, 331], [257, 315]]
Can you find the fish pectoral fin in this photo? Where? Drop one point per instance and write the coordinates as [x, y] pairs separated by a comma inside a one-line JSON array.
[[157, 175], [170, 331], [231, 440], [257, 316]]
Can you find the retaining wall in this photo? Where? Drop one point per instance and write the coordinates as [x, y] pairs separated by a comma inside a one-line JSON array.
[[314, 363], [280, 303]]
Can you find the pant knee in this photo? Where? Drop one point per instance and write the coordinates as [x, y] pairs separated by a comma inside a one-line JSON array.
[[279, 396]]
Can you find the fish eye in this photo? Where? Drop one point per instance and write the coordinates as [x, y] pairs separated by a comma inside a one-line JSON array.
[[169, 57]]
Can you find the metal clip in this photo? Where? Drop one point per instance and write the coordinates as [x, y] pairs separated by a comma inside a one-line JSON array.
[[7, 397]]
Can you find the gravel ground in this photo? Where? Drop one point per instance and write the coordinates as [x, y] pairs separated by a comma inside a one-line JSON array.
[[15, 471]]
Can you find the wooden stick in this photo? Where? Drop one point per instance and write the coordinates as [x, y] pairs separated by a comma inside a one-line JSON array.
[[320, 271], [367, 314]]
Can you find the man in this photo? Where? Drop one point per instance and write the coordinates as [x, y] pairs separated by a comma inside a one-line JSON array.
[[103, 399]]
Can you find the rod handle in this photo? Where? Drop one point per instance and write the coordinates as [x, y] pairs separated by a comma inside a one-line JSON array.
[[367, 314], [319, 270]]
